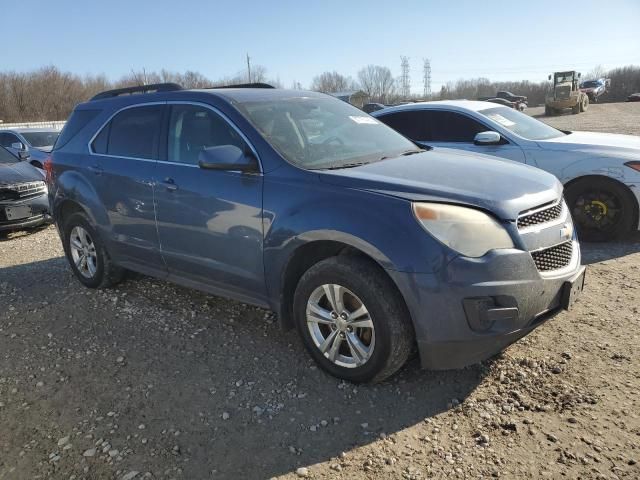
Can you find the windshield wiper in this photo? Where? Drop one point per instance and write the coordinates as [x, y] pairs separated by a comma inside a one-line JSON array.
[[345, 165], [403, 154]]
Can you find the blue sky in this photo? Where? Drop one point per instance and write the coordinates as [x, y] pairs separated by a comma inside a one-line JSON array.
[[296, 40]]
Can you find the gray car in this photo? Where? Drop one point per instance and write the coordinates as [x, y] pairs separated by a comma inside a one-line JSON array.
[[37, 142]]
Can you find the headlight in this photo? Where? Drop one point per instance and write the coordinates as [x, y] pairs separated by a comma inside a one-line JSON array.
[[466, 230]]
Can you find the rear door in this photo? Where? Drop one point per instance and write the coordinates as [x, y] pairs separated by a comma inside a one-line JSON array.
[[209, 221], [122, 166]]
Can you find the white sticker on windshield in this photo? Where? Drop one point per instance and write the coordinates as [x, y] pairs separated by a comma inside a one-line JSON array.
[[501, 120], [364, 120]]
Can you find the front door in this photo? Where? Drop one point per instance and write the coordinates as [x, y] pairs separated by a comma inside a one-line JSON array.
[[209, 221]]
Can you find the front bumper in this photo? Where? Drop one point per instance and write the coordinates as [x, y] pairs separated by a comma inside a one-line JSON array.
[[441, 305], [39, 207]]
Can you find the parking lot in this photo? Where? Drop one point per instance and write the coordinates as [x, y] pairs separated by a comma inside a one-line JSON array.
[[150, 380]]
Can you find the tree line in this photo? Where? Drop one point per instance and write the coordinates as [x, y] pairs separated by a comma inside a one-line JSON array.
[[50, 94]]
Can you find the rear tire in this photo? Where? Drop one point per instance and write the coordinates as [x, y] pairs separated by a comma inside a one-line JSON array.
[[576, 108], [87, 255], [360, 286], [602, 209]]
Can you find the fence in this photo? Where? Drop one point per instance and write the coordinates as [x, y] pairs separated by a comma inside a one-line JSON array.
[[57, 124]]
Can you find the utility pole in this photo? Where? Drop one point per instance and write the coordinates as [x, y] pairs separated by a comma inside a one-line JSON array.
[[405, 82], [427, 78], [249, 67]]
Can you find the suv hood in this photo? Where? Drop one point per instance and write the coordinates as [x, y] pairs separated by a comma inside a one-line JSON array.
[[502, 187], [602, 142], [22, 172]]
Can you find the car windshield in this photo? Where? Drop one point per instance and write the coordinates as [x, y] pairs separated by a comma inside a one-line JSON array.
[[41, 139], [590, 84], [5, 157], [521, 124], [318, 133]]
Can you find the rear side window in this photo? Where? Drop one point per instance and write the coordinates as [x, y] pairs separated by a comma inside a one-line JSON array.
[[454, 127], [415, 124], [76, 122], [134, 132]]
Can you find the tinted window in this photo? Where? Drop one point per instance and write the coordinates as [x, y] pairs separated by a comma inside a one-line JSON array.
[[77, 120], [6, 139], [193, 128], [415, 124], [134, 132], [454, 127], [99, 144]]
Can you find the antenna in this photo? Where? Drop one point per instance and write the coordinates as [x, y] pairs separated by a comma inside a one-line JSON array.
[[405, 82], [427, 78]]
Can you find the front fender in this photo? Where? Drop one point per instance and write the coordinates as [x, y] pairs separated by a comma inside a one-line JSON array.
[[380, 226]]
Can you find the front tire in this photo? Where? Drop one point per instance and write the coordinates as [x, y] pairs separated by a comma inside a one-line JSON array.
[[352, 320], [86, 254], [602, 209]]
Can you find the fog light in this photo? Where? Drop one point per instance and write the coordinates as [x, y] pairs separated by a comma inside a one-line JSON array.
[[483, 313]]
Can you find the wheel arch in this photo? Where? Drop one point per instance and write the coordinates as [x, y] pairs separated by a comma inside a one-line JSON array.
[[303, 257]]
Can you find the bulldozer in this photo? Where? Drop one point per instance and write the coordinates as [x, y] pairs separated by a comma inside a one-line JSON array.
[[565, 93]]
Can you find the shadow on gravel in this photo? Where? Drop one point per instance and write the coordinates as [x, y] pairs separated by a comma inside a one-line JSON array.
[[599, 252], [221, 391], [8, 236]]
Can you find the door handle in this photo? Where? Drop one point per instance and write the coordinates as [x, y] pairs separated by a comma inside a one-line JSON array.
[[169, 184], [97, 169]]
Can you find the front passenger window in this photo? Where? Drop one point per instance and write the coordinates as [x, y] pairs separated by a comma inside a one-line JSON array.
[[455, 127], [193, 128]]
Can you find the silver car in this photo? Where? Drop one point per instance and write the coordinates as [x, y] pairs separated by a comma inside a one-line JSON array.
[[37, 142], [600, 171]]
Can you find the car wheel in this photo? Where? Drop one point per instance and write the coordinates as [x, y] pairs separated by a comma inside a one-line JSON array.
[[86, 254], [576, 109], [352, 320], [601, 208]]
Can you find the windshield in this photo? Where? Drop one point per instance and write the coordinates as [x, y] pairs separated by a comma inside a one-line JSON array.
[[521, 124], [6, 157], [41, 139], [590, 84], [316, 133], [564, 77]]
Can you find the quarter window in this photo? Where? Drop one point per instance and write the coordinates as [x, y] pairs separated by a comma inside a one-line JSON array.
[[193, 128]]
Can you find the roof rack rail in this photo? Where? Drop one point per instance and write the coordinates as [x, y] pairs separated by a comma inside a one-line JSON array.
[[156, 87], [247, 85]]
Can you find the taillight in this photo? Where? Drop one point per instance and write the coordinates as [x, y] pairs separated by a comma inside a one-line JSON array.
[[48, 169]]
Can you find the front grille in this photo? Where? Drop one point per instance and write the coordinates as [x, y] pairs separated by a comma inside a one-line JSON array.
[[22, 190], [541, 216], [553, 258]]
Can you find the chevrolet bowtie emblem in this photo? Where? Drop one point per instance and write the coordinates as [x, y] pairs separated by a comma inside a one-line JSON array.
[[566, 232]]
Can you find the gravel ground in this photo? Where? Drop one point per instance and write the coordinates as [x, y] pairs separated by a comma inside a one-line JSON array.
[[150, 380]]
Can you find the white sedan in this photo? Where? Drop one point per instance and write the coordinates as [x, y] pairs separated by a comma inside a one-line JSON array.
[[600, 171]]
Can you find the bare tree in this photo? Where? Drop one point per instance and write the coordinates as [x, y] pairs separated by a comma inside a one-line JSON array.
[[377, 82], [331, 82]]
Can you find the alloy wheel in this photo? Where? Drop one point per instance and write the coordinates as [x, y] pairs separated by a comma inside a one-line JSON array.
[[83, 252], [340, 326]]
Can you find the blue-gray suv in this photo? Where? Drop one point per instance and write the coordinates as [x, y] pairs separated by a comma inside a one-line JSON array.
[[298, 202]]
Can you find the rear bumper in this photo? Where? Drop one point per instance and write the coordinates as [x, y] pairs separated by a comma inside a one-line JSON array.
[[519, 299]]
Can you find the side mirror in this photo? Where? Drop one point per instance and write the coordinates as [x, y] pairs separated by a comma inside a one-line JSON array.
[[23, 155], [227, 157], [18, 146], [487, 138]]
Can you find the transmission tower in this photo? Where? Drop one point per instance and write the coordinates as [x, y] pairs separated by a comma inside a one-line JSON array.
[[405, 82], [427, 78]]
